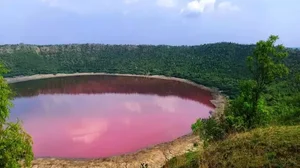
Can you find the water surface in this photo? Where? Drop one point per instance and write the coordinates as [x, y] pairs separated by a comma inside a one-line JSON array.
[[102, 116]]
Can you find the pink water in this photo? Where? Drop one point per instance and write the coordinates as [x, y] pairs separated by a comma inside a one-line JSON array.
[[101, 116]]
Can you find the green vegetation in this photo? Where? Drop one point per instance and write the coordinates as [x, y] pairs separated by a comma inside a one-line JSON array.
[[248, 110], [260, 80], [261, 147], [219, 65], [275, 146], [209, 129], [253, 108], [188, 160], [15, 143]]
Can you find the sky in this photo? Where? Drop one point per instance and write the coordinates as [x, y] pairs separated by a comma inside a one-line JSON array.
[[170, 22]]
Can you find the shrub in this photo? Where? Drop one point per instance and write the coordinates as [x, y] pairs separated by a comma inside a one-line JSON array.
[[242, 114], [15, 143], [15, 146], [209, 129], [188, 160]]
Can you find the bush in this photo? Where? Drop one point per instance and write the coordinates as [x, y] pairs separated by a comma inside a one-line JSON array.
[[15, 143], [15, 146], [242, 114], [209, 129], [188, 160]]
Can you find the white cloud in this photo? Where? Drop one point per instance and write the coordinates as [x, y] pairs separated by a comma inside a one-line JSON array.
[[188, 7], [228, 6], [166, 3], [90, 130], [198, 6], [89, 138], [133, 107], [167, 104]]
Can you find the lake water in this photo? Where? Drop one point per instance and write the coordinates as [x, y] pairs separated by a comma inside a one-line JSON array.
[[102, 116]]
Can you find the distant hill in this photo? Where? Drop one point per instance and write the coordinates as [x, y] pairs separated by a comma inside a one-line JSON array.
[[220, 65]]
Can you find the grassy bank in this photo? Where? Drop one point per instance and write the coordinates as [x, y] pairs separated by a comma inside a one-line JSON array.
[[263, 147]]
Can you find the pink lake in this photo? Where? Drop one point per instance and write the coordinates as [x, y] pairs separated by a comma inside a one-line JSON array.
[[102, 116]]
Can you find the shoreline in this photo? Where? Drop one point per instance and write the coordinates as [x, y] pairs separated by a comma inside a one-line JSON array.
[[17, 79], [155, 156]]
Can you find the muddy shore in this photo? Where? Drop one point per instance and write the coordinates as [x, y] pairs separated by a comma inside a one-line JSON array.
[[155, 156], [44, 76]]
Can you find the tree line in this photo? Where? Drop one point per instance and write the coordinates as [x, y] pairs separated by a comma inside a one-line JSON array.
[[219, 65]]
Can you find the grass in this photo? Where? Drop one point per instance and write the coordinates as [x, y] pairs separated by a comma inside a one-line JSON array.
[[263, 147], [188, 160]]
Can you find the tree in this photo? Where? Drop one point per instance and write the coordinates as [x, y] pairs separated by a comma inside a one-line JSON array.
[[296, 97], [297, 82], [15, 143], [5, 95], [240, 115], [266, 66]]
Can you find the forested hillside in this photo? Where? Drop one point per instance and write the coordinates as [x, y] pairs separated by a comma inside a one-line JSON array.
[[244, 134], [219, 65]]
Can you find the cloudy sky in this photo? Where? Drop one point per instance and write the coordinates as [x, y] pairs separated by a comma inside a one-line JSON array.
[[173, 22]]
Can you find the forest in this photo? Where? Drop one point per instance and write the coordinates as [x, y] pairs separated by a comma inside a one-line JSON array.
[[219, 65]]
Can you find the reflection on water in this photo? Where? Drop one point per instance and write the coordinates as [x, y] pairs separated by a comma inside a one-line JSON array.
[[100, 116]]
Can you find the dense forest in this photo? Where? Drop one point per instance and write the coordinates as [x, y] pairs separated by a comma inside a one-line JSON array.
[[218, 65]]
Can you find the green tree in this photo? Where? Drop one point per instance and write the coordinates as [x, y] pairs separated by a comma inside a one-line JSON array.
[[209, 129], [297, 82], [266, 65], [5, 95], [240, 115], [15, 143]]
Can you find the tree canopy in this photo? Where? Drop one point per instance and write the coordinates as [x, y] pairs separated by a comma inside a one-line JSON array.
[[219, 65], [253, 106], [15, 143]]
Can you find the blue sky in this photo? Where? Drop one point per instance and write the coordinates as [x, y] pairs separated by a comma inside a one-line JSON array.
[[173, 22]]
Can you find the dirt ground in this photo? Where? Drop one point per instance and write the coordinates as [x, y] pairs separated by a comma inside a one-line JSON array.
[[155, 156]]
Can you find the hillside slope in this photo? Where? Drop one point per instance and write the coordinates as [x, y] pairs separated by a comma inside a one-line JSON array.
[[264, 147], [219, 65]]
